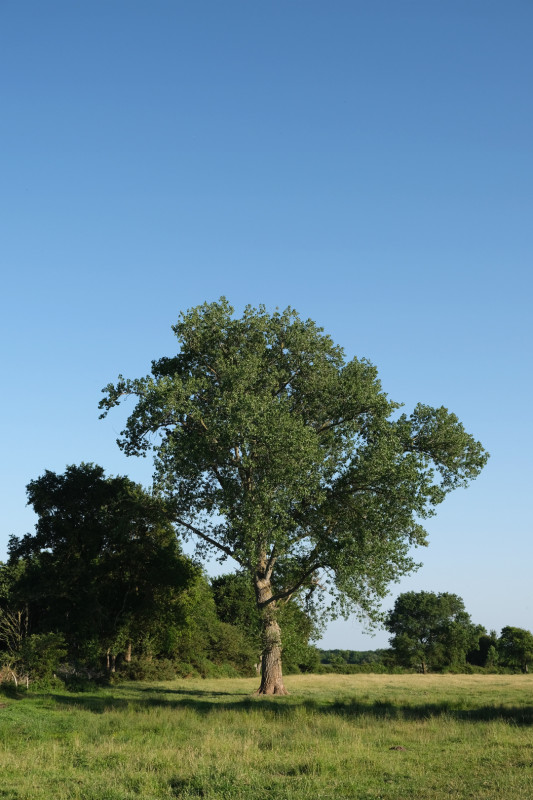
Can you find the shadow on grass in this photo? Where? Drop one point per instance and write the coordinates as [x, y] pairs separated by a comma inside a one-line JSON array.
[[204, 702]]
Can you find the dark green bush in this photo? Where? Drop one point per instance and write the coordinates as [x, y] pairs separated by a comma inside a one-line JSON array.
[[41, 654], [143, 668]]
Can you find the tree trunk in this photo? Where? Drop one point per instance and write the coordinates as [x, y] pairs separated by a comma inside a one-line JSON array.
[[111, 660], [271, 674], [127, 654]]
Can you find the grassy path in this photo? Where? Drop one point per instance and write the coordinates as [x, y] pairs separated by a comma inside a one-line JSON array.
[[357, 736]]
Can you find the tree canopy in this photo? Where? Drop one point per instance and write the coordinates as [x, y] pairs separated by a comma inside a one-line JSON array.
[[274, 450], [516, 647], [431, 631], [103, 566]]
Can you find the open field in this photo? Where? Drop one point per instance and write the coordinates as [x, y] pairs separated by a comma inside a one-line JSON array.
[[334, 737]]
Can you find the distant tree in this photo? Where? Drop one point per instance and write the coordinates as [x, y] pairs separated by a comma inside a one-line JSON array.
[[484, 653], [276, 451], [493, 658], [430, 631], [103, 564], [515, 647]]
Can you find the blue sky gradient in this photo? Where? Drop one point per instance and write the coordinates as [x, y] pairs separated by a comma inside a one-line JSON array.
[[369, 164]]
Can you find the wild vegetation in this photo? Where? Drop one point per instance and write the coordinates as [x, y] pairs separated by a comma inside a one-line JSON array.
[[102, 590], [370, 737]]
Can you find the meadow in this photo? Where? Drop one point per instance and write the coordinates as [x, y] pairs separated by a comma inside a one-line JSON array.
[[335, 736]]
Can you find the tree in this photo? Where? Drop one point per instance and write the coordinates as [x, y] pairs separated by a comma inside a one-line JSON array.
[[484, 653], [515, 647], [275, 451], [103, 565], [431, 630]]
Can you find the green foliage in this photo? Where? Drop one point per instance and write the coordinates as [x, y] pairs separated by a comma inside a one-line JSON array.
[[24, 656], [338, 656], [356, 662], [492, 657], [515, 647], [235, 603], [103, 567], [231, 648], [485, 653], [431, 631], [104, 574], [41, 654], [272, 448], [146, 668], [201, 642]]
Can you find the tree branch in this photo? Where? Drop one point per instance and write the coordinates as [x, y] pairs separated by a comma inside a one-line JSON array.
[[284, 385], [330, 424], [287, 593], [270, 563], [211, 541]]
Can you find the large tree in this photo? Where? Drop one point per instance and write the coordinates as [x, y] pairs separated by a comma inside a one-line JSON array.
[[276, 451], [103, 567], [431, 631]]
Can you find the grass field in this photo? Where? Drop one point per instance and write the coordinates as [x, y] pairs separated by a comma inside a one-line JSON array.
[[336, 736]]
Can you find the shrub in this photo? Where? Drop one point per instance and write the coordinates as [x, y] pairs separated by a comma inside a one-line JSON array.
[[41, 654], [143, 668]]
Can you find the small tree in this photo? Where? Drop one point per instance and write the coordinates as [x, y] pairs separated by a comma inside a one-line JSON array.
[[13, 632], [275, 451], [430, 630], [515, 647]]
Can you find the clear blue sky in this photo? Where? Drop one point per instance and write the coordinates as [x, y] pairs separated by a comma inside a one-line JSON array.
[[368, 163]]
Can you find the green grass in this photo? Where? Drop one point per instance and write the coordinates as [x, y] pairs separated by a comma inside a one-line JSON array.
[[462, 737]]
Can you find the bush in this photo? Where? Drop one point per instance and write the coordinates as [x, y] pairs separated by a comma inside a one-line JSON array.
[[232, 648], [41, 654], [48, 683], [8, 688], [143, 668]]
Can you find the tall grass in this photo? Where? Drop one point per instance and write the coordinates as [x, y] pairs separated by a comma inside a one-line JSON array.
[[336, 736]]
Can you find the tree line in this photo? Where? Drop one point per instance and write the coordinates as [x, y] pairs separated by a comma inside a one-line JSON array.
[[102, 586], [433, 632]]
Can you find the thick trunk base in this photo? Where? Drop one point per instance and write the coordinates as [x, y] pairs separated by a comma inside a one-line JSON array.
[[272, 683], [271, 691], [271, 674]]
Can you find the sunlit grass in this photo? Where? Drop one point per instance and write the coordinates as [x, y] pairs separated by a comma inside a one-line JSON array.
[[460, 737]]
